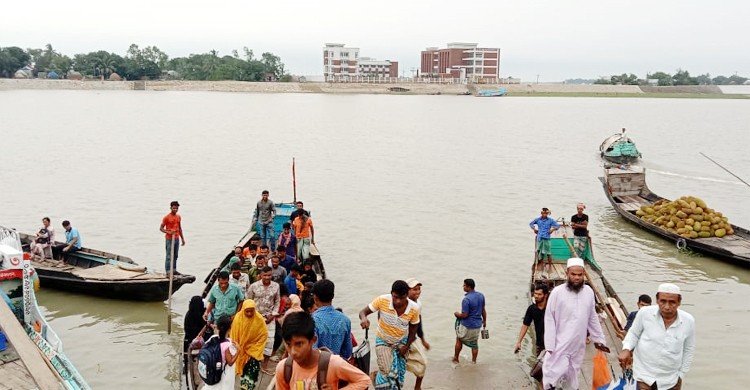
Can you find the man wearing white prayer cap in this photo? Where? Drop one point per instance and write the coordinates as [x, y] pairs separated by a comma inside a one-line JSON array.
[[570, 314], [665, 339]]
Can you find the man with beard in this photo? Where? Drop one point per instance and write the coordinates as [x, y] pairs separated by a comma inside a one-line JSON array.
[[570, 313]]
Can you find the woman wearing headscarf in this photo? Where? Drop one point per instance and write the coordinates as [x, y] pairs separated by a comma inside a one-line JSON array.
[[250, 333], [194, 323], [295, 305]]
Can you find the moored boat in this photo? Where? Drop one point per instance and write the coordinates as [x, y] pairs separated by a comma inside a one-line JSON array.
[[102, 274], [619, 148], [265, 379], [492, 92], [626, 189], [35, 358], [612, 312]]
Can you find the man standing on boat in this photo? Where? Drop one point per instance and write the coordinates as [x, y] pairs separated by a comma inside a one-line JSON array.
[[580, 224], [265, 293], [569, 315], [265, 210], [305, 233], [663, 338], [543, 226], [535, 314], [171, 226]]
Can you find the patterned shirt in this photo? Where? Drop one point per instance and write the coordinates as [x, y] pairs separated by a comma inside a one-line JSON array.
[[266, 297], [392, 328], [334, 331], [543, 225], [243, 282]]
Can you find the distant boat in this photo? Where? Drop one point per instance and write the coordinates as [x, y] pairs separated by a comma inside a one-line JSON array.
[[35, 358], [492, 92], [102, 274], [619, 148]]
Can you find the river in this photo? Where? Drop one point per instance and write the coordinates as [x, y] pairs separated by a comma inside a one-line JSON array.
[[436, 187]]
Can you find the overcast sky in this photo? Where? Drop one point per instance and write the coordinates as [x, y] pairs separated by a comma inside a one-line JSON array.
[[556, 40]]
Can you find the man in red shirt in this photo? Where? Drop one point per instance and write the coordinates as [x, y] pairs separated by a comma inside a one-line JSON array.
[[171, 226]]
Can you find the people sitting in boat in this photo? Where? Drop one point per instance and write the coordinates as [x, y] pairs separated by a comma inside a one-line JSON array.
[[288, 241], [300, 209], [543, 226], [535, 314], [260, 263], [278, 273], [44, 240], [308, 275], [232, 260], [292, 281], [285, 259], [250, 252], [643, 301], [224, 299], [580, 224], [73, 240], [239, 279]]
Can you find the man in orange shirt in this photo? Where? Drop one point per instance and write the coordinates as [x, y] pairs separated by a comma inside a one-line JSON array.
[[171, 226], [305, 233], [307, 365]]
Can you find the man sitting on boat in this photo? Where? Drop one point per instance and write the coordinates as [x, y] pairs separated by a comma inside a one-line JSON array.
[[73, 240], [543, 226]]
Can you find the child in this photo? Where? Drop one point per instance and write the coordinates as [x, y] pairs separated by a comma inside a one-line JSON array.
[[309, 275], [288, 240], [306, 365]]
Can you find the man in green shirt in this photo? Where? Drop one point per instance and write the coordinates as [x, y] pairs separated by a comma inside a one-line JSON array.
[[224, 299]]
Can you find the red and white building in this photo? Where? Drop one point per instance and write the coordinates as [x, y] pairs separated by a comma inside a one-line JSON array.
[[342, 63], [461, 61]]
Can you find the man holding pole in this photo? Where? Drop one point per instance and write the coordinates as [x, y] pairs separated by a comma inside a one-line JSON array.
[[171, 226]]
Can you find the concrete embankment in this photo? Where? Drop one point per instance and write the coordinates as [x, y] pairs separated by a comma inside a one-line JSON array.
[[550, 89]]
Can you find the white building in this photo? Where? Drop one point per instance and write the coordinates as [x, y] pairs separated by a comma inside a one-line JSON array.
[[339, 61]]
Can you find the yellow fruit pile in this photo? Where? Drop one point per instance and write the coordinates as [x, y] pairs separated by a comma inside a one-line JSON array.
[[688, 216]]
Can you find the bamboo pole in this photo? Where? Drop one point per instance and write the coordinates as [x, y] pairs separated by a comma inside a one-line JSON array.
[[171, 280]]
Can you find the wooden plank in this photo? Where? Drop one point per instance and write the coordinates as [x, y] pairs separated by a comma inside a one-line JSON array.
[[15, 376], [29, 353]]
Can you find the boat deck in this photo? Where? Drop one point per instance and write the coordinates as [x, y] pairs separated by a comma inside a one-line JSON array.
[[106, 272], [14, 373]]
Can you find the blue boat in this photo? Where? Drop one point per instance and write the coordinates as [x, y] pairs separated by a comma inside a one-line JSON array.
[[35, 359], [492, 92]]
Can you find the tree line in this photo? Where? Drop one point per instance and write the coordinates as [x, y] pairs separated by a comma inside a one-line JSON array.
[[145, 63], [680, 77]]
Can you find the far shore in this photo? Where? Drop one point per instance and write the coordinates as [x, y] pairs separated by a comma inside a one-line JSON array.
[[548, 90]]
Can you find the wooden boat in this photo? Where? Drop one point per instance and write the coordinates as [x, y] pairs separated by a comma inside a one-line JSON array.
[[492, 92], [35, 358], [619, 148], [102, 274], [612, 312], [265, 380], [626, 189]]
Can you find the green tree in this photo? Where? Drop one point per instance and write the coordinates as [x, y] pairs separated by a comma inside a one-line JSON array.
[[665, 79], [682, 77], [703, 79], [12, 59], [737, 80]]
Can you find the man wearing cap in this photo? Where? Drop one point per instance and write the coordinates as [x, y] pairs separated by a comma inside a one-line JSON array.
[[569, 315], [580, 224], [171, 226], [416, 361], [663, 338]]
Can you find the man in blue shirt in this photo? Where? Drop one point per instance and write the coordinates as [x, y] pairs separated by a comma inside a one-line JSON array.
[[333, 329], [291, 280], [72, 238], [543, 226], [470, 320]]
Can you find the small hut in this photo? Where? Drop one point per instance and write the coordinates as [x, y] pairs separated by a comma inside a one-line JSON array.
[[73, 75], [115, 77], [53, 75]]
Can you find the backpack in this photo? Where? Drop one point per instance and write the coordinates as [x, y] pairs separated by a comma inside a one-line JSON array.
[[325, 357], [210, 365]]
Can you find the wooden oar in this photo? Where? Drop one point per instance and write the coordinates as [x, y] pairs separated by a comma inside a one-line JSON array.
[[171, 279]]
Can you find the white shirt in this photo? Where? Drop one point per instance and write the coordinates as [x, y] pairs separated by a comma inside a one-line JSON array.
[[661, 355]]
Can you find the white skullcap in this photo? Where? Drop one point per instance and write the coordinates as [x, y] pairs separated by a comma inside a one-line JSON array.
[[575, 262], [668, 288]]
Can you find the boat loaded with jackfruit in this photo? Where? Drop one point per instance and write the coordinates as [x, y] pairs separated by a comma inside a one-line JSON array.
[[609, 306], [102, 274], [687, 221], [283, 212]]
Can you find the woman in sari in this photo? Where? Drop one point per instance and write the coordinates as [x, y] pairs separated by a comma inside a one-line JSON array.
[[250, 333]]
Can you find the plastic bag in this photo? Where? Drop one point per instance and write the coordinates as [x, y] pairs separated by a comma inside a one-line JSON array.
[[601, 377]]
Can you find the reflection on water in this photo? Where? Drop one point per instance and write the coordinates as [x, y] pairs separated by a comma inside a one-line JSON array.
[[435, 187]]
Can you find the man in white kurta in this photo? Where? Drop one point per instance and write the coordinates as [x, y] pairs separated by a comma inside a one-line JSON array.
[[569, 316]]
